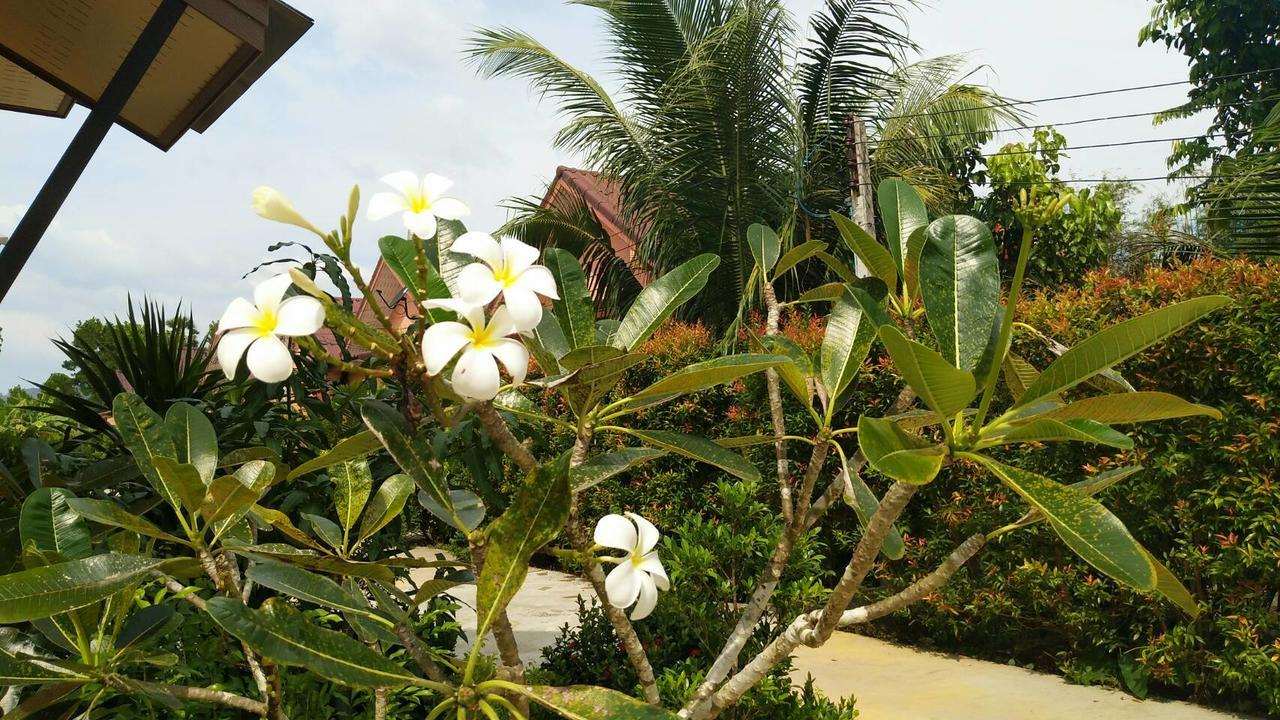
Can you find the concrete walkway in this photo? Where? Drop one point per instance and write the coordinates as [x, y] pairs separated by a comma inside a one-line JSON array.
[[890, 682]]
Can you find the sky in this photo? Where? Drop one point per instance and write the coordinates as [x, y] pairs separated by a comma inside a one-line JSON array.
[[379, 86]]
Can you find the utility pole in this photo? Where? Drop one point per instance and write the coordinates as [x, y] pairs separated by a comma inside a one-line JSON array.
[[860, 191]]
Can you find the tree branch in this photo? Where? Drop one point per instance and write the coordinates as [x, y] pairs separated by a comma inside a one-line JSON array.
[[182, 692], [502, 437], [775, 405], [409, 639]]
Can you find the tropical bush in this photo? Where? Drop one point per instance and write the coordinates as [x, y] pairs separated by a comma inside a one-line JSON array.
[[228, 550]]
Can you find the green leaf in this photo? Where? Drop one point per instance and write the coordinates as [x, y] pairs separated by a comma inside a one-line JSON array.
[[871, 253], [865, 504], [106, 512], [1043, 429], [588, 702], [700, 449], [432, 588], [606, 465], [838, 266], [1168, 585], [661, 297], [548, 344], [143, 624], [465, 504], [386, 505], [401, 255], [1082, 522], [797, 255], [284, 525], [181, 480], [765, 246], [305, 585], [1018, 374], [15, 670], [315, 561], [53, 589], [903, 212], [960, 285], [573, 310], [911, 263], [48, 521], [1116, 344], [589, 355], [357, 446], [193, 438], [898, 454], [707, 374], [591, 383], [287, 638], [538, 510], [1129, 408], [411, 454], [798, 368], [942, 386], [325, 529], [870, 294], [352, 484], [823, 293], [440, 253], [146, 437], [229, 498], [844, 346]]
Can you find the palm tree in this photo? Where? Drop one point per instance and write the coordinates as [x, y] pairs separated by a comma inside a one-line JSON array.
[[726, 118], [1242, 200]]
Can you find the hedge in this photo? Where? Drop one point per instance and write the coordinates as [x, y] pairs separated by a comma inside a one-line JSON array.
[[1207, 503]]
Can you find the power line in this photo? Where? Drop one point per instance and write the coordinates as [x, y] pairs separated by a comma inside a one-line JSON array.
[[1094, 93], [1123, 180], [1069, 123]]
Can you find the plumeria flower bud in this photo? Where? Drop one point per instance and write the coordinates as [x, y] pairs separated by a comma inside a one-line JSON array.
[[507, 267], [483, 343], [421, 201], [273, 205], [639, 575], [255, 328]]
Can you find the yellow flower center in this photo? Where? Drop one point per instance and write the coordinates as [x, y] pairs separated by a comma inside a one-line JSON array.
[[637, 559], [266, 324], [504, 275], [482, 338], [418, 202]]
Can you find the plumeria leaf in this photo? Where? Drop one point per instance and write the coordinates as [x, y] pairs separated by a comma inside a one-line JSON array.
[[960, 286], [19, 667], [1043, 429], [765, 246], [63, 587], [838, 266], [182, 480], [1088, 528], [707, 374], [658, 300], [401, 255], [146, 437], [700, 449], [305, 585], [797, 255], [106, 512], [410, 453], [1116, 344], [48, 522], [898, 454], [573, 310], [1131, 407], [352, 484], [316, 561], [285, 637], [798, 369], [386, 505], [284, 525], [537, 512], [942, 386], [360, 445], [903, 212], [845, 344], [468, 507], [193, 438], [228, 500], [829, 292], [871, 253], [859, 496], [606, 465]]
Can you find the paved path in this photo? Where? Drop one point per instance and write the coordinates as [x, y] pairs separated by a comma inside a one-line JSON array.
[[890, 682]]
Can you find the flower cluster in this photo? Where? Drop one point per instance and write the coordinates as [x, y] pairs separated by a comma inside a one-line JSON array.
[[499, 296]]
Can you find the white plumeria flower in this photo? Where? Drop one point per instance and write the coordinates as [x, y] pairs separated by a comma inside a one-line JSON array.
[[256, 327], [475, 376], [507, 268], [421, 200], [639, 576], [273, 205]]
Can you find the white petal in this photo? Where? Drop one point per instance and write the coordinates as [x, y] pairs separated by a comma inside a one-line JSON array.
[[648, 599], [385, 204], [538, 279], [518, 255], [450, 208], [268, 294], [434, 186], [523, 306], [475, 375], [501, 324], [240, 313], [481, 245], [648, 533], [404, 182], [652, 565], [269, 360], [422, 224], [299, 315], [623, 584], [476, 284], [458, 306], [441, 342], [514, 357], [272, 205], [231, 348], [617, 532]]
